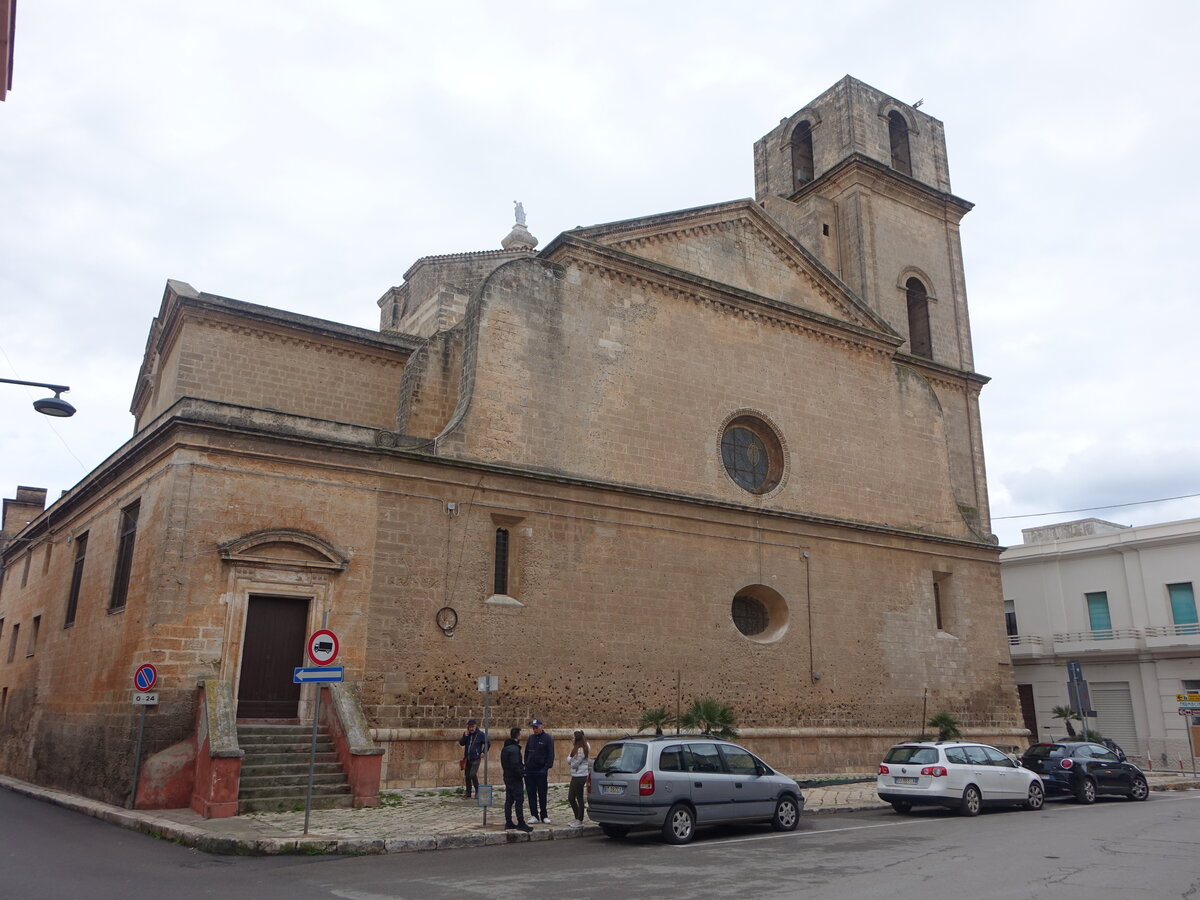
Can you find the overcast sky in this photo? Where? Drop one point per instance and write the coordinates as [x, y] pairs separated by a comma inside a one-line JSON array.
[[303, 154]]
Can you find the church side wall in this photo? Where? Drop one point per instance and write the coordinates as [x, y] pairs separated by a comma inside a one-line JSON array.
[[610, 378], [622, 598]]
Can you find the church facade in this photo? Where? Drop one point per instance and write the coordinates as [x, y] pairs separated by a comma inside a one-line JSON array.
[[731, 452]]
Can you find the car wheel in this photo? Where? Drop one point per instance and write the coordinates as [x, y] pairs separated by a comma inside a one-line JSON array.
[[615, 831], [1139, 790], [787, 815], [1085, 791], [1037, 797], [680, 826], [971, 803], [902, 806]]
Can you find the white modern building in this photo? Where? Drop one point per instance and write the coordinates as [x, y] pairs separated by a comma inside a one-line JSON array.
[[1121, 601]]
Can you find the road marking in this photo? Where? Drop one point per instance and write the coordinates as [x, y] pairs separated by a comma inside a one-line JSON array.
[[918, 821], [795, 834]]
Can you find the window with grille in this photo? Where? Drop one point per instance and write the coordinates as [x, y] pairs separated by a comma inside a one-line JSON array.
[[752, 454]]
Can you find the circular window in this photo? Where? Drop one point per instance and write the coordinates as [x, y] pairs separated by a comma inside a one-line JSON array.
[[749, 615], [759, 613], [752, 454]]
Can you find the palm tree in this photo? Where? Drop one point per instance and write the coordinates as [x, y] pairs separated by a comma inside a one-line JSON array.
[[657, 718], [710, 717], [946, 725], [1066, 714]]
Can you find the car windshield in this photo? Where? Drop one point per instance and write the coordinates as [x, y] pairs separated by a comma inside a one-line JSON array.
[[616, 758], [1046, 751], [922, 755]]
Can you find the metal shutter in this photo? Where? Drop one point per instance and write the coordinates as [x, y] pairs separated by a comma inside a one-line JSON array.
[[1114, 709]]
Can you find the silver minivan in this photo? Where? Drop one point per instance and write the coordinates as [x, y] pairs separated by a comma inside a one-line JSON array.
[[679, 782]]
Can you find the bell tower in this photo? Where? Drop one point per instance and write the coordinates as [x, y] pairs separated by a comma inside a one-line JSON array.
[[861, 179]]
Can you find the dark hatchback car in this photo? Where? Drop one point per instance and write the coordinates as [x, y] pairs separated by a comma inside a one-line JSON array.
[[1085, 770]]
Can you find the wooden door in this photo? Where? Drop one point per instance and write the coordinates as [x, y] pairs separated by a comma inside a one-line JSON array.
[[276, 629]]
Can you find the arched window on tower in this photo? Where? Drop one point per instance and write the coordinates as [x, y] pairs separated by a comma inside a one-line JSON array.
[[802, 154], [919, 341], [898, 134]]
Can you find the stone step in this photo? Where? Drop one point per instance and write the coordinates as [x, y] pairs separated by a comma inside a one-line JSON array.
[[290, 767], [286, 804], [253, 786], [270, 792], [262, 760], [281, 740], [325, 746]]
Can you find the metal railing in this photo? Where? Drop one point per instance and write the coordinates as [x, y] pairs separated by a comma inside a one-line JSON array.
[[1173, 630], [1099, 634], [1021, 640]]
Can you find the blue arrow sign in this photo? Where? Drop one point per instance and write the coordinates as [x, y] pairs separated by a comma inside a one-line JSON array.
[[318, 673]]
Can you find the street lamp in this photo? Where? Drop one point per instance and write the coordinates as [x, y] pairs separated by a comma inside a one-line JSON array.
[[48, 406]]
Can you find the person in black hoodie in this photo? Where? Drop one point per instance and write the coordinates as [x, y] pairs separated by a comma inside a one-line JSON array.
[[539, 759], [514, 780]]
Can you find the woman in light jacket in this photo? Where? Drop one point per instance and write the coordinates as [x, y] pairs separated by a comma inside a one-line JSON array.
[[580, 764]]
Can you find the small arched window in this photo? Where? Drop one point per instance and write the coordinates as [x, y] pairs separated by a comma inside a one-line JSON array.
[[919, 341], [898, 135], [802, 154]]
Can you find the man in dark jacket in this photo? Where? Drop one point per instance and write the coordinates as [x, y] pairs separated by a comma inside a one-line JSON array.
[[539, 758], [514, 781], [475, 744]]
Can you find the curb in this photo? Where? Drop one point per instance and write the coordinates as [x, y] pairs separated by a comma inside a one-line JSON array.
[[150, 824]]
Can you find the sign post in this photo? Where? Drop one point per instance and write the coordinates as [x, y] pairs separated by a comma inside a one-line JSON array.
[[144, 678], [483, 796], [1189, 705], [323, 649], [1079, 697]]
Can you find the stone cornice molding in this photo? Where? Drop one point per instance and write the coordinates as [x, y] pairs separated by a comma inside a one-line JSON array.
[[628, 268], [720, 217], [857, 168], [947, 376]]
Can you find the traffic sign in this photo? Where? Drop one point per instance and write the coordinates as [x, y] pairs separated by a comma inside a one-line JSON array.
[[1074, 671], [323, 647], [145, 677], [488, 682], [1188, 711], [1190, 697], [145, 698], [321, 673]]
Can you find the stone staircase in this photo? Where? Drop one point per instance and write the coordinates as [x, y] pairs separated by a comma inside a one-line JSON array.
[[275, 769]]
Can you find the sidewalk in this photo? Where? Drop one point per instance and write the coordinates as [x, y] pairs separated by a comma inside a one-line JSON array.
[[411, 819]]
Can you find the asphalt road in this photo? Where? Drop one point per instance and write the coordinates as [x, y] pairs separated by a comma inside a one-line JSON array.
[[1115, 849]]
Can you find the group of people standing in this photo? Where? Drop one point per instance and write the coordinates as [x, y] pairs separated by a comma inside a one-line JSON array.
[[526, 772]]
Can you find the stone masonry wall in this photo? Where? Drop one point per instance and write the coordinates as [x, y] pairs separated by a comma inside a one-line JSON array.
[[268, 368], [595, 375]]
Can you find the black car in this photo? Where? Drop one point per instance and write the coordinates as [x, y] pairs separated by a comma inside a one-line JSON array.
[[1085, 769]]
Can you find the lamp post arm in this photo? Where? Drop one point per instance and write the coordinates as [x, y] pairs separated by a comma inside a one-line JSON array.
[[57, 388]]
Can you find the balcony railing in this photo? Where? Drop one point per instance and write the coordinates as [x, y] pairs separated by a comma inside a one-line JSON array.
[[1100, 634], [1025, 640], [1173, 630]]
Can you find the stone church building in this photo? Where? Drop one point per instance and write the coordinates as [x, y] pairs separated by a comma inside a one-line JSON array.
[[731, 451]]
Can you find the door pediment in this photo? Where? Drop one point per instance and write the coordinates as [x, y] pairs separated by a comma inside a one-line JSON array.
[[284, 547]]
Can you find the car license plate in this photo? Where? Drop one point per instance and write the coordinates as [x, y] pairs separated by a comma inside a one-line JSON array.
[[902, 780], [612, 789]]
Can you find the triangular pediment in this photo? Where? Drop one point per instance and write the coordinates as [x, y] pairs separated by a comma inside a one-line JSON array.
[[738, 244]]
